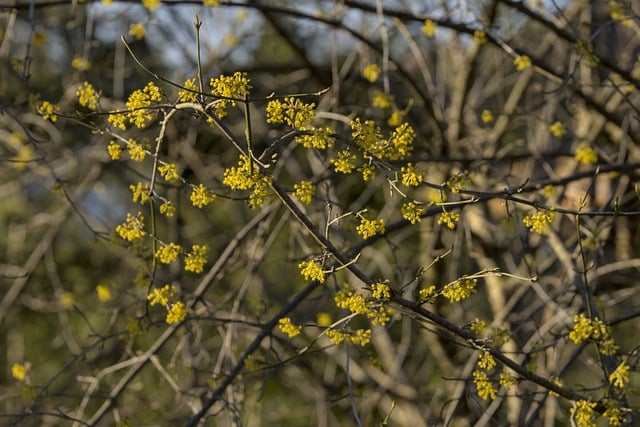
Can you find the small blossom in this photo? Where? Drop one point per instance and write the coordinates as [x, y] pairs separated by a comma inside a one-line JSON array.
[[486, 360], [522, 62], [103, 293], [459, 290], [87, 96], [117, 120], [410, 177], [371, 72], [133, 227], [311, 270], [395, 119], [136, 151], [480, 37], [412, 212], [583, 412], [557, 129], [151, 5], [428, 294], [304, 191], [487, 116], [67, 300], [137, 31], [539, 221], [201, 197], [169, 171], [507, 380], [190, 91], [478, 327], [289, 328], [324, 319], [161, 296], [114, 150], [344, 162], [176, 313], [168, 253], [167, 209], [620, 377], [585, 154], [368, 228], [208, 3], [48, 111], [449, 219], [380, 291], [19, 371], [80, 64], [381, 100], [429, 28], [195, 260], [485, 387], [140, 193]]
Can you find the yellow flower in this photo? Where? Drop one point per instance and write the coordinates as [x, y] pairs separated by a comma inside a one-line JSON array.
[[324, 319], [196, 259], [412, 212], [48, 111], [583, 413], [117, 120], [459, 290], [291, 111], [428, 294], [410, 177], [167, 209], [169, 171], [371, 72], [370, 227], [304, 191], [486, 360], [162, 295], [168, 253], [211, 2], [190, 91], [133, 227], [478, 327], [318, 138], [229, 88], [539, 221], [557, 129], [381, 100], [585, 154], [449, 218], [311, 270], [19, 371], [67, 300], [151, 4], [87, 96], [479, 36], [485, 388], [136, 152], [103, 292], [177, 313], [395, 119], [620, 377], [344, 162], [289, 328], [487, 116], [140, 193], [429, 28], [380, 291], [114, 150], [137, 30], [522, 62], [201, 197], [507, 380], [80, 64]]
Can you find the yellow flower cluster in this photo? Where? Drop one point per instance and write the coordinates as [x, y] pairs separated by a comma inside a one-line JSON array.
[[486, 360], [189, 93], [587, 329], [114, 150], [140, 193], [429, 28], [485, 387], [344, 162], [585, 154], [200, 196], [584, 413], [538, 222], [48, 111], [139, 103], [168, 253], [614, 414], [620, 377], [381, 100], [459, 182], [133, 227], [19, 371], [359, 337], [311, 270], [507, 380], [618, 13], [380, 291], [378, 315], [479, 36], [304, 191], [137, 31], [428, 295], [242, 177], [370, 227], [103, 292], [410, 177], [449, 218], [136, 151], [151, 5], [557, 129], [291, 111], [176, 312], [318, 138], [368, 172], [522, 62], [167, 208], [371, 72], [459, 290], [486, 116], [289, 328], [87, 96], [80, 64], [478, 327], [195, 260], [229, 89], [412, 212], [169, 171]]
